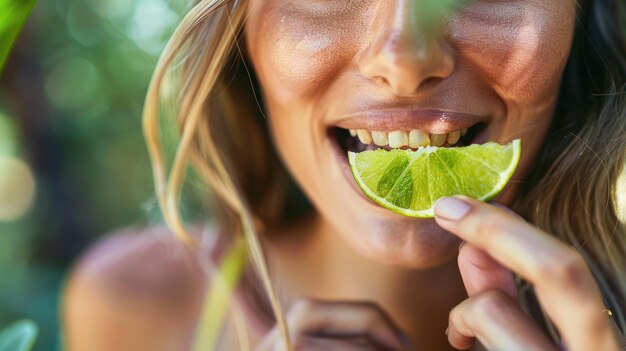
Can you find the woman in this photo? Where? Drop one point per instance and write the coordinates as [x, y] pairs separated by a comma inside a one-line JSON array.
[[347, 274]]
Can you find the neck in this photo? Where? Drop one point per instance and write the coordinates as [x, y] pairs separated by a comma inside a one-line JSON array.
[[313, 261]]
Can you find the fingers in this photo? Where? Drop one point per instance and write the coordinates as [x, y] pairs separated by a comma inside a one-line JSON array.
[[339, 321], [497, 322], [480, 272], [304, 342], [346, 319], [562, 281]]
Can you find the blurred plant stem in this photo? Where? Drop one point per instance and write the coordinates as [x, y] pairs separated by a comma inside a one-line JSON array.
[[13, 15], [219, 298]]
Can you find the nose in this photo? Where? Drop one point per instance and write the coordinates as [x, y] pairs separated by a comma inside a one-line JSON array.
[[405, 54]]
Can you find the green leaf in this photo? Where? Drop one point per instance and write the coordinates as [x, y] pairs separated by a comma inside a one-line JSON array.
[[218, 298], [431, 14], [13, 15], [20, 336]]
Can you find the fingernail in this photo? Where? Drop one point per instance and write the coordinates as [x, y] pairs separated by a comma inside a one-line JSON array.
[[461, 245], [451, 208], [447, 331]]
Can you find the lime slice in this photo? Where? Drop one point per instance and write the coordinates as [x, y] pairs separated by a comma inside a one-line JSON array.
[[410, 182]]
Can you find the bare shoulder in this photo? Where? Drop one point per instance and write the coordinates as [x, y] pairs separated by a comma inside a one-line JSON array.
[[135, 289], [141, 261]]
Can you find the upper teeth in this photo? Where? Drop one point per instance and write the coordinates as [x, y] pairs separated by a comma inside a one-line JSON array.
[[414, 138]]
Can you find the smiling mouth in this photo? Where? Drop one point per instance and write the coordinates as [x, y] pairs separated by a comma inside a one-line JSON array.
[[358, 140]]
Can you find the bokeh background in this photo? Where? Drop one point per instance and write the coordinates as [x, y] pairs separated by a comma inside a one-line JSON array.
[[72, 158]]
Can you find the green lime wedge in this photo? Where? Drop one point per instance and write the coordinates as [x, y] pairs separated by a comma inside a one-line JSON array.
[[410, 182]]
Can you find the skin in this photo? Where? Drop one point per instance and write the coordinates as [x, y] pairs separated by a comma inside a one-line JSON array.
[[501, 60], [356, 276]]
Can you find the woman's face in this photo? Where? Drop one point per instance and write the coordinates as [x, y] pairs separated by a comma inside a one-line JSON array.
[[327, 66]]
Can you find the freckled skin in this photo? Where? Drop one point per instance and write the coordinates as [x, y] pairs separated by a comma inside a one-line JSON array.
[[319, 60]]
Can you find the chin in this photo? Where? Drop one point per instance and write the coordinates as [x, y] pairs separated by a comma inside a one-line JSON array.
[[404, 242]]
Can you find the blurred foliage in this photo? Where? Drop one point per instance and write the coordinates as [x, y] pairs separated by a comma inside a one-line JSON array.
[[19, 336], [70, 114], [217, 301], [431, 14], [13, 14]]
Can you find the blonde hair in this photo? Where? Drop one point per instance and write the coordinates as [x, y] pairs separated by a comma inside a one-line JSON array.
[[208, 35], [567, 194]]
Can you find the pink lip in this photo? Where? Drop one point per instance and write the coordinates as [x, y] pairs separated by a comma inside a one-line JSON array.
[[428, 120]]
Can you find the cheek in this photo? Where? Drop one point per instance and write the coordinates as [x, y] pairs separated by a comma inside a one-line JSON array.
[[520, 49], [297, 49]]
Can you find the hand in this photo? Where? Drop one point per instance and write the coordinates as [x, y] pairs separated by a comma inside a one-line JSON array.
[[325, 325], [497, 238]]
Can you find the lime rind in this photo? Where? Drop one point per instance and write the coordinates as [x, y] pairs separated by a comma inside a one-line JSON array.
[[516, 147], [420, 155]]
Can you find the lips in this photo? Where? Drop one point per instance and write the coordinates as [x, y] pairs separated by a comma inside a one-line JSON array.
[[388, 129], [430, 121]]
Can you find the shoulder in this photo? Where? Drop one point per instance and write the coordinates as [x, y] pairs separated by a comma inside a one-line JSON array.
[[134, 283], [139, 261]]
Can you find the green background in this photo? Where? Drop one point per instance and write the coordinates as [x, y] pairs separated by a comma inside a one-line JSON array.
[[70, 107]]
